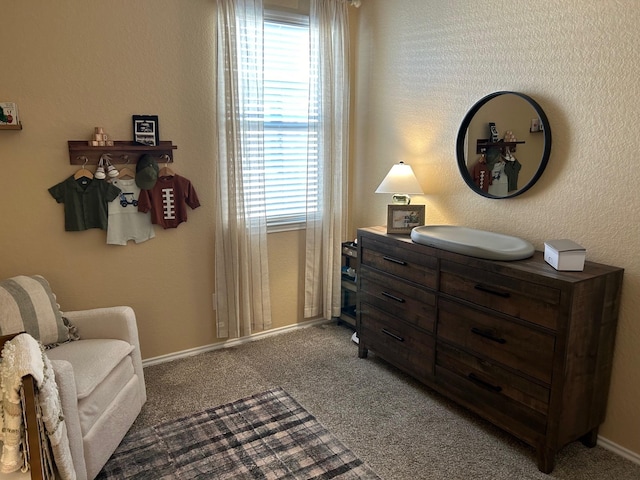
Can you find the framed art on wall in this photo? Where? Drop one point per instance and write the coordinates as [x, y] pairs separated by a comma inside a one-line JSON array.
[[402, 218], [145, 130], [8, 113]]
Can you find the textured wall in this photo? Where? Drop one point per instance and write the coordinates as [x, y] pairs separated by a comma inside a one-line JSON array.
[[421, 64]]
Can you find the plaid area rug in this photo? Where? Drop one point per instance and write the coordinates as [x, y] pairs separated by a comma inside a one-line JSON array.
[[266, 436]]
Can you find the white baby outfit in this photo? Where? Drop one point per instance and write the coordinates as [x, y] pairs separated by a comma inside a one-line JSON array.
[[125, 221]]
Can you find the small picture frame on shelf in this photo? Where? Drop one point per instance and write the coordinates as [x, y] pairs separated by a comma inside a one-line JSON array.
[[9, 114], [402, 218], [145, 130]]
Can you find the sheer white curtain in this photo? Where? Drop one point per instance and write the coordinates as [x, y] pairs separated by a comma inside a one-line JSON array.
[[241, 268], [241, 272], [326, 225]]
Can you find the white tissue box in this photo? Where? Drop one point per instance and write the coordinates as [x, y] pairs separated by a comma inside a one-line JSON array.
[[565, 255]]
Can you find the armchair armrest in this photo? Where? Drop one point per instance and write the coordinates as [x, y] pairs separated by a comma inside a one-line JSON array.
[[109, 322], [68, 398]]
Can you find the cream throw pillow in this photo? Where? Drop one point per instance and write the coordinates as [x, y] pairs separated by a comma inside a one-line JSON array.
[[27, 304]]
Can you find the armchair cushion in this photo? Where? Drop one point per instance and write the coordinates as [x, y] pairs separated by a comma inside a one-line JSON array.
[[92, 360], [27, 304], [102, 368]]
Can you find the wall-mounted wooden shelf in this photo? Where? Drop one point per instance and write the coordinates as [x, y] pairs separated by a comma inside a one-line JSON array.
[[11, 127], [483, 143], [79, 150]]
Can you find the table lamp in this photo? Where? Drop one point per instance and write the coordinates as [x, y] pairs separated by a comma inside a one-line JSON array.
[[402, 217], [400, 181]]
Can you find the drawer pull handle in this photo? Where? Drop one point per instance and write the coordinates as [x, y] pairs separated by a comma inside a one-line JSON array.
[[485, 289], [393, 297], [394, 260], [392, 335], [488, 335], [474, 378]]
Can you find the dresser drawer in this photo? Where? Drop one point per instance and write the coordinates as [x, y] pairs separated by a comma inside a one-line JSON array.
[[485, 374], [527, 424], [400, 261], [534, 302], [396, 297], [397, 342], [516, 346]]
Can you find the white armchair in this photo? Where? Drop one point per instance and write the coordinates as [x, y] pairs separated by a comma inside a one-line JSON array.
[[101, 384], [99, 377]]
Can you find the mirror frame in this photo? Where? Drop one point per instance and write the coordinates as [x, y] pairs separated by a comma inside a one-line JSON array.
[[462, 133]]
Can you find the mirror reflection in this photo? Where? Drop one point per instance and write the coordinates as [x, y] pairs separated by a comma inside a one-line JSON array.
[[503, 145]]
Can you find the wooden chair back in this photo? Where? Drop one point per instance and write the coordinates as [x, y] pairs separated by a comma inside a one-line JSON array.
[[33, 434]]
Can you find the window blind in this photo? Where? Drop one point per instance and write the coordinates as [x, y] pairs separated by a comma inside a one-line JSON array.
[[290, 151]]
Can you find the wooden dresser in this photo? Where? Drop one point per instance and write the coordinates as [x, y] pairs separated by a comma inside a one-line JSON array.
[[524, 346]]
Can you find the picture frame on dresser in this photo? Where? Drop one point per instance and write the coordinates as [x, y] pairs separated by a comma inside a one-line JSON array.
[[145, 130], [401, 219]]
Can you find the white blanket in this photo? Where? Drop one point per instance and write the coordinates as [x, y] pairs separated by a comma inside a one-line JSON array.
[[22, 356]]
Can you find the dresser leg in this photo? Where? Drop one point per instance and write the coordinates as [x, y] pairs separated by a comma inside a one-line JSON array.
[[590, 439], [362, 350], [546, 459]]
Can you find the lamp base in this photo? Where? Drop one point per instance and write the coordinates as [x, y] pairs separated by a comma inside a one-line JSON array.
[[400, 199]]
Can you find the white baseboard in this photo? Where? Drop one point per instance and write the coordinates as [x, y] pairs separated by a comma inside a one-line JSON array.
[[230, 343], [615, 448]]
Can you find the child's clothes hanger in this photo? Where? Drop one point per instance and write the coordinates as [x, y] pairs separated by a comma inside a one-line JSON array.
[[126, 172], [166, 171], [83, 172]]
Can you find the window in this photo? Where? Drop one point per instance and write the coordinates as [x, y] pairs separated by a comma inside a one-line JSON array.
[[290, 147]]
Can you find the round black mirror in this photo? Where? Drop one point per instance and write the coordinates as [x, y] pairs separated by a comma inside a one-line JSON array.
[[503, 145]]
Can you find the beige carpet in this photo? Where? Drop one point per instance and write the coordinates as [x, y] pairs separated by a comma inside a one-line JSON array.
[[400, 428]]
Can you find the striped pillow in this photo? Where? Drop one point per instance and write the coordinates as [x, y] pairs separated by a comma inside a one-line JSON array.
[[27, 304]]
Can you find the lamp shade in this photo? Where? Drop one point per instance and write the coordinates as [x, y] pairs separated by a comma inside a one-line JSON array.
[[400, 179]]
